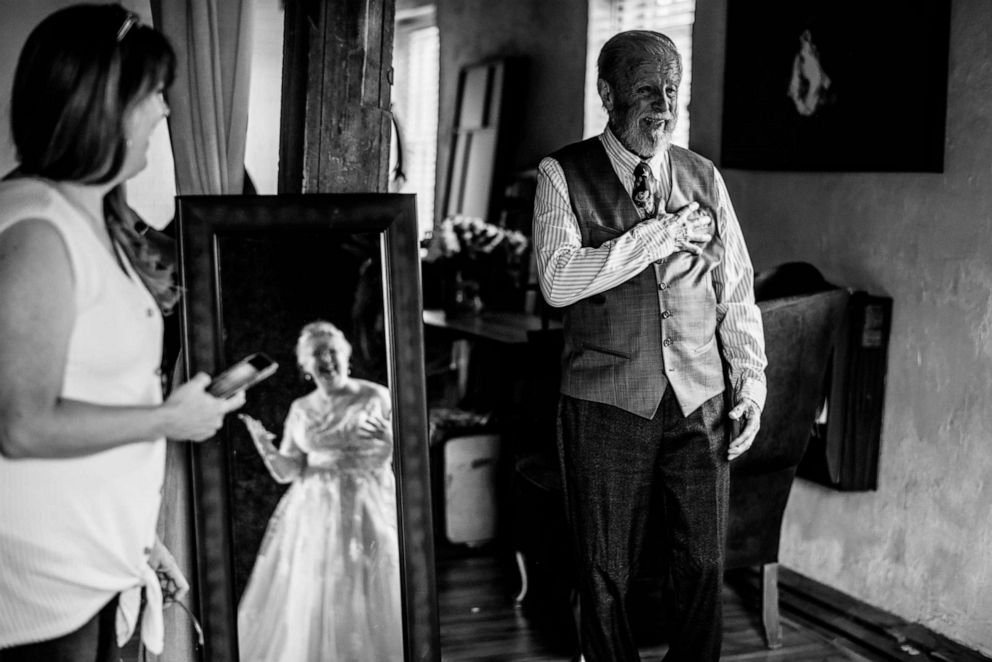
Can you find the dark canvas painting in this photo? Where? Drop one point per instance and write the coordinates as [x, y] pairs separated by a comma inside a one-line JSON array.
[[836, 85]]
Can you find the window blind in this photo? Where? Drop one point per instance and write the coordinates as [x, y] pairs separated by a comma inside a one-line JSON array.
[[415, 102], [422, 121]]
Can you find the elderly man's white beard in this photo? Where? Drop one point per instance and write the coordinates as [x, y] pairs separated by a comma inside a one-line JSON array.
[[636, 139]]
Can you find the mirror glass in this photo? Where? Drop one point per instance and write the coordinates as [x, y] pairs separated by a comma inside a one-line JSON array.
[[316, 558], [310, 507]]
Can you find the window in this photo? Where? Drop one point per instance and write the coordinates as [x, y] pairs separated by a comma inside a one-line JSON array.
[[416, 60], [265, 96], [670, 17]]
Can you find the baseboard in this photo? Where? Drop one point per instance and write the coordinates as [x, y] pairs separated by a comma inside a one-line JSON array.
[[833, 613]]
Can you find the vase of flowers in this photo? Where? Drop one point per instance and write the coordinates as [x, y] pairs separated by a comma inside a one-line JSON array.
[[483, 263]]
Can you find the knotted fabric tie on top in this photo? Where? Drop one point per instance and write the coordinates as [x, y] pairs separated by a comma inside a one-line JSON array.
[[645, 191]]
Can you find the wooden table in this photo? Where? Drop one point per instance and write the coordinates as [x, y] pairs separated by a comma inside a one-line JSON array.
[[508, 327]]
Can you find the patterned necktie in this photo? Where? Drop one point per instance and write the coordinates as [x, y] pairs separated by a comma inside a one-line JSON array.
[[645, 189]]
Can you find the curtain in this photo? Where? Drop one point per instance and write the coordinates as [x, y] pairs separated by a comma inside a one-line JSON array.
[[209, 99], [208, 126]]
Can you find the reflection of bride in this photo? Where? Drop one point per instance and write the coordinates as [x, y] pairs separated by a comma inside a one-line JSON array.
[[325, 585]]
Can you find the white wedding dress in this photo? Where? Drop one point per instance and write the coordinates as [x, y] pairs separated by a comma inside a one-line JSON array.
[[325, 586]]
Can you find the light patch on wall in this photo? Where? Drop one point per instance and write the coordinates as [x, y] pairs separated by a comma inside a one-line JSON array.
[[152, 191], [979, 276], [264, 97], [825, 551]]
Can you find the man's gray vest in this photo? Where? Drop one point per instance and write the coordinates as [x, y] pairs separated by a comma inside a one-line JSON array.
[[624, 346]]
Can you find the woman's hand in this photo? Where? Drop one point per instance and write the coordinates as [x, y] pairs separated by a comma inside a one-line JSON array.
[[196, 415], [376, 426], [283, 468], [262, 437]]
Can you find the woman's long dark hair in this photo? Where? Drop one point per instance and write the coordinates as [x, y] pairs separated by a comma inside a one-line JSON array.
[[80, 73]]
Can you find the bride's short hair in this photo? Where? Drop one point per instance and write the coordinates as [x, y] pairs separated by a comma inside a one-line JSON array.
[[318, 329]]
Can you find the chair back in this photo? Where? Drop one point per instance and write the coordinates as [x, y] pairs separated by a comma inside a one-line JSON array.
[[800, 335], [801, 332]]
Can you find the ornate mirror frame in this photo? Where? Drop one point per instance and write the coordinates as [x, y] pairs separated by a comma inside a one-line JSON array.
[[202, 222]]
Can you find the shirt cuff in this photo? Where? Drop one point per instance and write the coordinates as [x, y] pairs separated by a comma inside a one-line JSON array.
[[753, 389]]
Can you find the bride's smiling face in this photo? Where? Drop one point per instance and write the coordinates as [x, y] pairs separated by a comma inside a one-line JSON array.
[[325, 359]]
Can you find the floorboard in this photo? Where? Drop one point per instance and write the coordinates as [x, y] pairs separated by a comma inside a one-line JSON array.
[[479, 622]]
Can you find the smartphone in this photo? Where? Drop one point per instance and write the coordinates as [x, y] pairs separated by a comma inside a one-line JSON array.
[[246, 372]]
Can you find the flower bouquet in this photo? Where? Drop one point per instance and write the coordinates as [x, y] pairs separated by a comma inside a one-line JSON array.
[[483, 262]]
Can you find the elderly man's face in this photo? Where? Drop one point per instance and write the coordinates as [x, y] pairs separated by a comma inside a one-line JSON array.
[[642, 106]]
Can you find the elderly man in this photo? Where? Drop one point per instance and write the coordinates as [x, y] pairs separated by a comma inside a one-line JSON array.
[[637, 240]]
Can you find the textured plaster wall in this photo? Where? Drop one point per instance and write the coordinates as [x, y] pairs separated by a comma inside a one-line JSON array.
[[551, 35], [921, 546]]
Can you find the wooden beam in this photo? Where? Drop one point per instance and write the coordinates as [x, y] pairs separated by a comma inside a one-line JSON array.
[[292, 123], [337, 79]]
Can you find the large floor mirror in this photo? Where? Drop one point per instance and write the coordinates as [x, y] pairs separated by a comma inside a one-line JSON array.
[[333, 548]]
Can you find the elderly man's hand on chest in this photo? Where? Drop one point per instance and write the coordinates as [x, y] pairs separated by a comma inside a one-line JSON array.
[[691, 228]]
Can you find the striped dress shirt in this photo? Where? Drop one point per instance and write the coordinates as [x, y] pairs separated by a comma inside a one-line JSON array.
[[569, 271]]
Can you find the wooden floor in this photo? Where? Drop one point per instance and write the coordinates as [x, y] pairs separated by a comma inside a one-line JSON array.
[[480, 622]]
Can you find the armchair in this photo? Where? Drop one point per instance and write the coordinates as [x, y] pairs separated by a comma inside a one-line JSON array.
[[802, 324], [800, 332]]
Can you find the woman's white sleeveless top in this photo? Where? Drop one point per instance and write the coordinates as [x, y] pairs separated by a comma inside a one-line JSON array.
[[75, 532]]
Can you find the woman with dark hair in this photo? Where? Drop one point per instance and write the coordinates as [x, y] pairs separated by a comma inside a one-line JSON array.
[[82, 419], [326, 583]]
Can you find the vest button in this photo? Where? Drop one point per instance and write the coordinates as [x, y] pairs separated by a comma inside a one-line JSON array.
[[666, 314], [662, 286], [668, 342]]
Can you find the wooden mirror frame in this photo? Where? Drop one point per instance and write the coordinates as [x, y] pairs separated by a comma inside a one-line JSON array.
[[202, 220]]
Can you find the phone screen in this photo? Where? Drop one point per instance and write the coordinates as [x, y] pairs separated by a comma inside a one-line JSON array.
[[241, 375]]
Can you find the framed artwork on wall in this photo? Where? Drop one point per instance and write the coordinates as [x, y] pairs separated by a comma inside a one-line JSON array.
[[835, 85]]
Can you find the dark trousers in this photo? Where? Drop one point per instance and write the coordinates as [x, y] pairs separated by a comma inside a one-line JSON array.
[[95, 641], [616, 468]]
